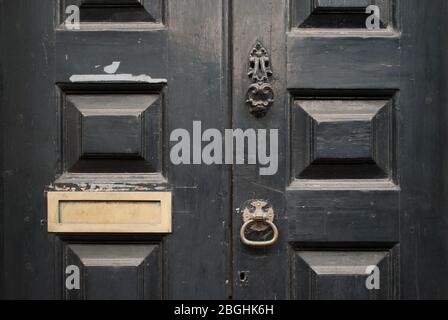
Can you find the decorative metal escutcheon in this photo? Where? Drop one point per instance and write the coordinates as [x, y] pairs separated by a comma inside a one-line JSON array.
[[258, 216], [260, 94]]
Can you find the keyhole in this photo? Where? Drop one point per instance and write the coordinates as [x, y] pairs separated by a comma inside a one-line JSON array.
[[243, 276]]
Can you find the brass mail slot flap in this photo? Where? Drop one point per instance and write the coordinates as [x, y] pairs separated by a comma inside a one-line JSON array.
[[109, 212]]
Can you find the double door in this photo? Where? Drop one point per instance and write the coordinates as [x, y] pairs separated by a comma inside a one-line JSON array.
[[214, 149]]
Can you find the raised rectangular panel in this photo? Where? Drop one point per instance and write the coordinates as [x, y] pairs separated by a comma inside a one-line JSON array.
[[342, 130], [347, 14], [342, 138], [343, 211], [116, 12], [109, 212], [112, 125], [343, 61], [342, 275], [114, 271], [116, 132]]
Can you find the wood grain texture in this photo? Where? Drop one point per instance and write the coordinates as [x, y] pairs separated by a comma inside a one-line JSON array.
[[29, 159], [198, 90], [424, 228]]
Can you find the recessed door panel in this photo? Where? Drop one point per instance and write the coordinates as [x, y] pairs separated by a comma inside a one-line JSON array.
[[114, 271], [344, 275]]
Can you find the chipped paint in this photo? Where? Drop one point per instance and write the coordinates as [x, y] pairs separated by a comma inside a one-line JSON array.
[[85, 187]]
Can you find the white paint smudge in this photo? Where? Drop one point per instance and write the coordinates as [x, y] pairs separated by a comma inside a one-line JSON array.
[[77, 78], [112, 68]]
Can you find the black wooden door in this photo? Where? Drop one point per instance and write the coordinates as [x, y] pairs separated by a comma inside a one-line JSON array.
[[358, 183], [92, 110], [358, 192]]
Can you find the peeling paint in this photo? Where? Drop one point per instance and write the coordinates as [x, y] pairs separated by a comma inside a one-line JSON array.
[[106, 187]]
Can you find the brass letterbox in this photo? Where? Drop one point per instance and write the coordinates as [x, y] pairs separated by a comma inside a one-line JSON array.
[[109, 212]]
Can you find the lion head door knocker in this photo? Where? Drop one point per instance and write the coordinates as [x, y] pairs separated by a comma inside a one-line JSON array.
[[260, 94], [258, 216]]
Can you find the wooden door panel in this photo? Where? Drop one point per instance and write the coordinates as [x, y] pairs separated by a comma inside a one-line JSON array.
[[162, 53], [353, 138], [264, 21], [341, 275], [72, 57], [358, 61], [27, 97], [96, 109], [113, 133], [337, 111], [198, 90], [343, 187], [117, 13], [107, 131], [114, 271], [342, 215], [338, 14]]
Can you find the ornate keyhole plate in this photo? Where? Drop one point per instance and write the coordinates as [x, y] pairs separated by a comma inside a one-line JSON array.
[[260, 94]]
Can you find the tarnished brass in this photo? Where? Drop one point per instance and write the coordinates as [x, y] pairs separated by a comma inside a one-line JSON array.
[[258, 215], [109, 212], [260, 94]]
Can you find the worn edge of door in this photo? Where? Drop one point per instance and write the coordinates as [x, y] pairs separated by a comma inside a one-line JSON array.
[[55, 225]]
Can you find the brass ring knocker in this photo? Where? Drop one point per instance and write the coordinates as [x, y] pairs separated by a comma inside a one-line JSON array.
[[258, 215]]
